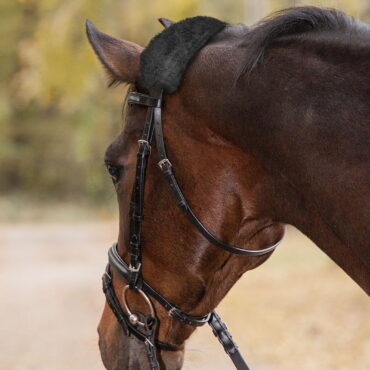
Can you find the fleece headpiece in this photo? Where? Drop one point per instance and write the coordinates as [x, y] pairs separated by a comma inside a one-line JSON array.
[[165, 59]]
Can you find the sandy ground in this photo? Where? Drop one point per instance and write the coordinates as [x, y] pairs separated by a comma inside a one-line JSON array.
[[297, 311]]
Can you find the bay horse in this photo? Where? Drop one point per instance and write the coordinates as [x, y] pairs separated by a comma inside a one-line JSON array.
[[264, 126]]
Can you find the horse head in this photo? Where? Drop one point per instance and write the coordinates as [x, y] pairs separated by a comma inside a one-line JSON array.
[[227, 188]]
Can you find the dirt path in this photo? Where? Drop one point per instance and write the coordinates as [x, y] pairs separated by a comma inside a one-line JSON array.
[[306, 313]]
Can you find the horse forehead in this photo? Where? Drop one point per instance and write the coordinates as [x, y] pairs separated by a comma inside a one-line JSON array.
[[130, 133], [228, 38]]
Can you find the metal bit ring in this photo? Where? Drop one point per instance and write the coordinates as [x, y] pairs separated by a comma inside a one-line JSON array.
[[133, 318]]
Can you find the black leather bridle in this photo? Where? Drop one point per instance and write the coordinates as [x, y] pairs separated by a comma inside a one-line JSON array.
[[131, 273]]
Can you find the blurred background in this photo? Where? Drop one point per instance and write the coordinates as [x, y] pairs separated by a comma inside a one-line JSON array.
[[58, 210]]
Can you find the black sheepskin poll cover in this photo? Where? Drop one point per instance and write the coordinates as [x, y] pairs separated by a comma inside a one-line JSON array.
[[165, 59]]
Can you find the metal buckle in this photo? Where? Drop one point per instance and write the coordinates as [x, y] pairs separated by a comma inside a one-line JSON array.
[[133, 98], [177, 314], [180, 316], [147, 341], [107, 275], [163, 162], [145, 143], [134, 269], [171, 311], [107, 271]]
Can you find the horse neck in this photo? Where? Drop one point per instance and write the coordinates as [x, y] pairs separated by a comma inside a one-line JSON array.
[[307, 124], [289, 206]]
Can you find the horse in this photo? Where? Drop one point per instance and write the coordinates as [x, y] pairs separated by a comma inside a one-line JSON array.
[[264, 126]]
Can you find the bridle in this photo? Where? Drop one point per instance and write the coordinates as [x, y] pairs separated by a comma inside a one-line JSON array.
[[131, 273]]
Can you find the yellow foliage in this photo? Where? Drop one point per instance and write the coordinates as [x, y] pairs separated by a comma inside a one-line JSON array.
[[54, 109]]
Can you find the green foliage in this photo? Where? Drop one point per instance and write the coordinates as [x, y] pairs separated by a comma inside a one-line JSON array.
[[56, 116]]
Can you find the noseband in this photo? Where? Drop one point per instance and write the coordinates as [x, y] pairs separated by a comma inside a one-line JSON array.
[[131, 273]]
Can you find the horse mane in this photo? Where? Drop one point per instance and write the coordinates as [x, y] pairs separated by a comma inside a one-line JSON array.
[[290, 22]]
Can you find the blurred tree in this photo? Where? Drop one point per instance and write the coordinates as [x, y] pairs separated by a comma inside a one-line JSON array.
[[56, 117]]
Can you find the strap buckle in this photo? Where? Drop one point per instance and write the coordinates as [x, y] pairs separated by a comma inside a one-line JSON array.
[[184, 318], [135, 278], [145, 143], [163, 163], [149, 343], [133, 269]]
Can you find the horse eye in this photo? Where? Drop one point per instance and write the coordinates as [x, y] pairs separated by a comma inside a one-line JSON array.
[[114, 172]]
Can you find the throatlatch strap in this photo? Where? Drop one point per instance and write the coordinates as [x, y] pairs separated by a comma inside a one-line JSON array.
[[166, 167]]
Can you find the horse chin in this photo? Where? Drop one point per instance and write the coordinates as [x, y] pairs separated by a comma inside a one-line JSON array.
[[114, 349], [171, 360], [119, 352]]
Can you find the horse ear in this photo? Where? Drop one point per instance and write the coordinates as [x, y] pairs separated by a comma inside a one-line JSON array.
[[120, 58], [165, 22]]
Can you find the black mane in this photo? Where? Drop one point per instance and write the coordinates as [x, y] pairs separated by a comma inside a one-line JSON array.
[[293, 21]]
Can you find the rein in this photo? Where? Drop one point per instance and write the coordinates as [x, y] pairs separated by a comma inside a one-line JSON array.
[[131, 273]]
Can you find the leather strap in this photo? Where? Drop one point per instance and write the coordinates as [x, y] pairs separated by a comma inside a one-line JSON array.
[[219, 328], [175, 312], [131, 274], [122, 318], [151, 327], [137, 197], [166, 168], [221, 332]]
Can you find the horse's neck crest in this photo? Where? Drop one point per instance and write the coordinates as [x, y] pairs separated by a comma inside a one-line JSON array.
[[165, 59]]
